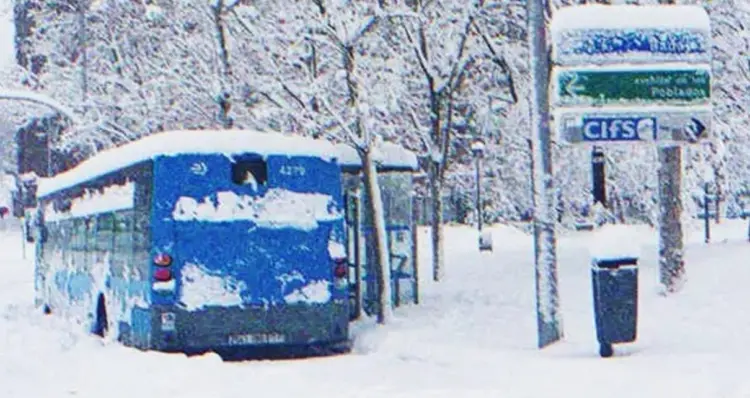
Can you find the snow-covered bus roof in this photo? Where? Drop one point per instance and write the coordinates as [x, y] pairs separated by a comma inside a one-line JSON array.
[[389, 156], [172, 143], [596, 16]]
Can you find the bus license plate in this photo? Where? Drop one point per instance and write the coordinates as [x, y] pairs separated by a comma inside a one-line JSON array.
[[256, 338]]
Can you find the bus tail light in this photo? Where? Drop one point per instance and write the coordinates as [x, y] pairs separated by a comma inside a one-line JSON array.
[[163, 260], [162, 274], [341, 268]]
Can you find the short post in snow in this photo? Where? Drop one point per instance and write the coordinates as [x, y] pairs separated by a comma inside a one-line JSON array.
[[744, 201], [598, 175], [478, 150]]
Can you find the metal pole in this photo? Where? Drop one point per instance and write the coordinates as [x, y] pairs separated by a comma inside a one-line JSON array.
[[23, 238], [549, 321], [415, 248], [479, 195], [706, 215], [357, 253]]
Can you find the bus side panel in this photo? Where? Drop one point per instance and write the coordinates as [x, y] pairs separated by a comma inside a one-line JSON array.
[[92, 251], [125, 264]]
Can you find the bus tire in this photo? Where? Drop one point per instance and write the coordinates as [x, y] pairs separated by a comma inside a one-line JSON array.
[[100, 317], [46, 309]]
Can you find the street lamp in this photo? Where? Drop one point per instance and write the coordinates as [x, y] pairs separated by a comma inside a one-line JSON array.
[[478, 149]]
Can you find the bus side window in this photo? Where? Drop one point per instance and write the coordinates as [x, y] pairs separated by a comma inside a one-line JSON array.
[[78, 242], [52, 243], [105, 225], [250, 171], [66, 233], [141, 242], [91, 254], [140, 230], [123, 253]]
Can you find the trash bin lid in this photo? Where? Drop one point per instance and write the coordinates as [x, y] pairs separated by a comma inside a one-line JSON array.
[[613, 262]]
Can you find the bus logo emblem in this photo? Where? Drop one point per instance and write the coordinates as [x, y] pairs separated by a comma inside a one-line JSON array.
[[199, 168], [168, 321]]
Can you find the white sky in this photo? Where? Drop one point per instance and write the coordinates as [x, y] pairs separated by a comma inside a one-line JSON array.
[[6, 34]]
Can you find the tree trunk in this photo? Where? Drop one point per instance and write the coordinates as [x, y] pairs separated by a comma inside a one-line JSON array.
[[549, 319], [24, 22], [223, 99], [383, 268], [438, 257], [83, 48]]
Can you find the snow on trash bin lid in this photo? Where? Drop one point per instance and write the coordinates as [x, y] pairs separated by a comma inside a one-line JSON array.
[[614, 262], [615, 241]]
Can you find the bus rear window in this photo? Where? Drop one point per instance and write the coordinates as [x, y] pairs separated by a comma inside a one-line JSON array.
[[249, 171]]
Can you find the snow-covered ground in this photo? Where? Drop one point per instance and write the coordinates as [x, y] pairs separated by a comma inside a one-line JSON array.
[[474, 334]]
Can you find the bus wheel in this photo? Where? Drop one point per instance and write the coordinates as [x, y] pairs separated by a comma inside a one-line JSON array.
[[100, 322], [46, 309]]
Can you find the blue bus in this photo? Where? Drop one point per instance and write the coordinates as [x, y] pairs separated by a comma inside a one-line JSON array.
[[195, 241]]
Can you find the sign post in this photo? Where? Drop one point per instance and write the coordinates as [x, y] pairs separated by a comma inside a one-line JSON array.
[[632, 74]]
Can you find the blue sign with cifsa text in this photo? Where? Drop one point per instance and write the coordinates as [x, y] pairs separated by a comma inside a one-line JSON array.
[[596, 129]]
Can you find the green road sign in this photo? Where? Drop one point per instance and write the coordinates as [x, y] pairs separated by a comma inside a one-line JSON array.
[[640, 86]]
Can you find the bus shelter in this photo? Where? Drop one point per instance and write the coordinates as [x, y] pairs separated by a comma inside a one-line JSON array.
[[396, 168]]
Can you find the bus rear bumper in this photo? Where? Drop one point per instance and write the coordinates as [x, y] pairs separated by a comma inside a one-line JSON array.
[[228, 330]]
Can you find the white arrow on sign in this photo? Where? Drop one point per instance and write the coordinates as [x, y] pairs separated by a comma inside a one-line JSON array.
[[694, 129], [573, 88]]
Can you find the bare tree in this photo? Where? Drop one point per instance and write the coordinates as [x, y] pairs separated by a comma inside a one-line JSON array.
[[443, 71], [349, 33], [224, 97]]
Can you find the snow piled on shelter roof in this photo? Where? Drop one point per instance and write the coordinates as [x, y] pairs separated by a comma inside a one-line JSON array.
[[172, 143], [387, 154], [630, 17]]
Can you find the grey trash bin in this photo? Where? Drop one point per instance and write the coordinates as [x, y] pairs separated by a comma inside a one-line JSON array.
[[615, 288]]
